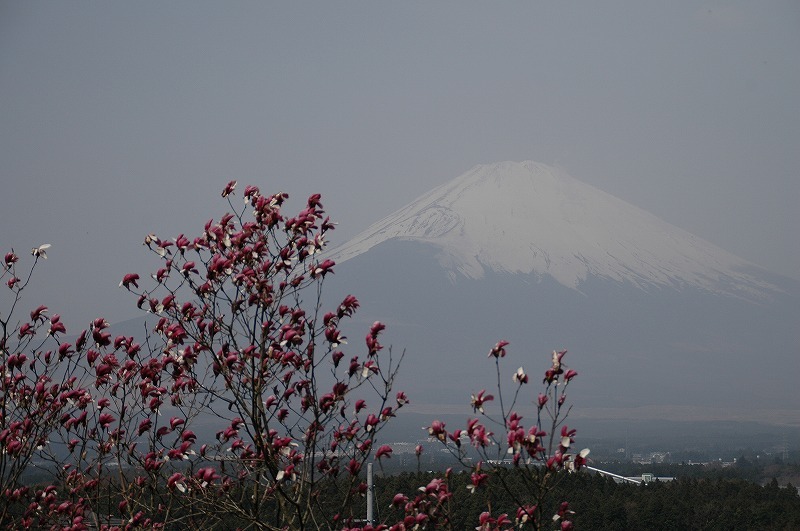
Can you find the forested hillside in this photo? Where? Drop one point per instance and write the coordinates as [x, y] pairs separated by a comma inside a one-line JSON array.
[[600, 503]]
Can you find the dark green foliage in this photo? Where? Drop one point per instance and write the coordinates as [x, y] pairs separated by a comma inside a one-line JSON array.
[[600, 503]]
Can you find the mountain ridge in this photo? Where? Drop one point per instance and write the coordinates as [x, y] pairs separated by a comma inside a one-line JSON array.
[[532, 218]]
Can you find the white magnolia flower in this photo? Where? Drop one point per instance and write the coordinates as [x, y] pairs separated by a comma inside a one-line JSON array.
[[40, 251]]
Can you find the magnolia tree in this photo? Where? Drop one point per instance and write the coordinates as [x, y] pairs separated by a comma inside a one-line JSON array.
[[238, 407], [239, 347], [245, 345], [38, 390], [55, 433], [503, 446]]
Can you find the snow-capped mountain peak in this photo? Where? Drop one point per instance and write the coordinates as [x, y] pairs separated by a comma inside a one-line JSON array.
[[532, 218]]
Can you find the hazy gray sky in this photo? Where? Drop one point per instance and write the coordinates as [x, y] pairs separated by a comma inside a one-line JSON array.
[[122, 118]]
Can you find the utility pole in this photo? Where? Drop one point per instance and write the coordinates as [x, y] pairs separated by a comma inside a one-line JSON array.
[[370, 495]]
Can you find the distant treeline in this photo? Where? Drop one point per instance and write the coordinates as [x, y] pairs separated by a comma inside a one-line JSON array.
[[601, 503], [706, 503]]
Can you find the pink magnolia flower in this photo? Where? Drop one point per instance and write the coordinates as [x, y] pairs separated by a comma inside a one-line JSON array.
[[370, 423], [437, 430], [401, 399], [456, 437], [10, 259], [499, 351], [229, 188], [321, 269], [128, 280], [37, 313], [477, 480], [384, 450], [525, 513], [353, 467], [399, 500], [478, 434], [542, 400], [26, 330], [176, 481], [579, 461], [206, 476], [105, 420], [478, 400], [348, 307]]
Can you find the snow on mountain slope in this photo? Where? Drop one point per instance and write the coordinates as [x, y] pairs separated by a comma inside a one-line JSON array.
[[535, 219]]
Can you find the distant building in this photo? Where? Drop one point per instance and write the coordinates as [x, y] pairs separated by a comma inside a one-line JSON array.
[[639, 480]]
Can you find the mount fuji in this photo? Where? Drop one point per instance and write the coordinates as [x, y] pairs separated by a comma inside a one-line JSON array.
[[657, 321], [529, 218]]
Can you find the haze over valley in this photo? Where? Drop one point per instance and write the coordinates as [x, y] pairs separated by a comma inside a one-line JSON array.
[[658, 322], [617, 180]]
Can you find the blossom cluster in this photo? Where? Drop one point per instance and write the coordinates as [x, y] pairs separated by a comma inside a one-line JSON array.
[[232, 339]]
